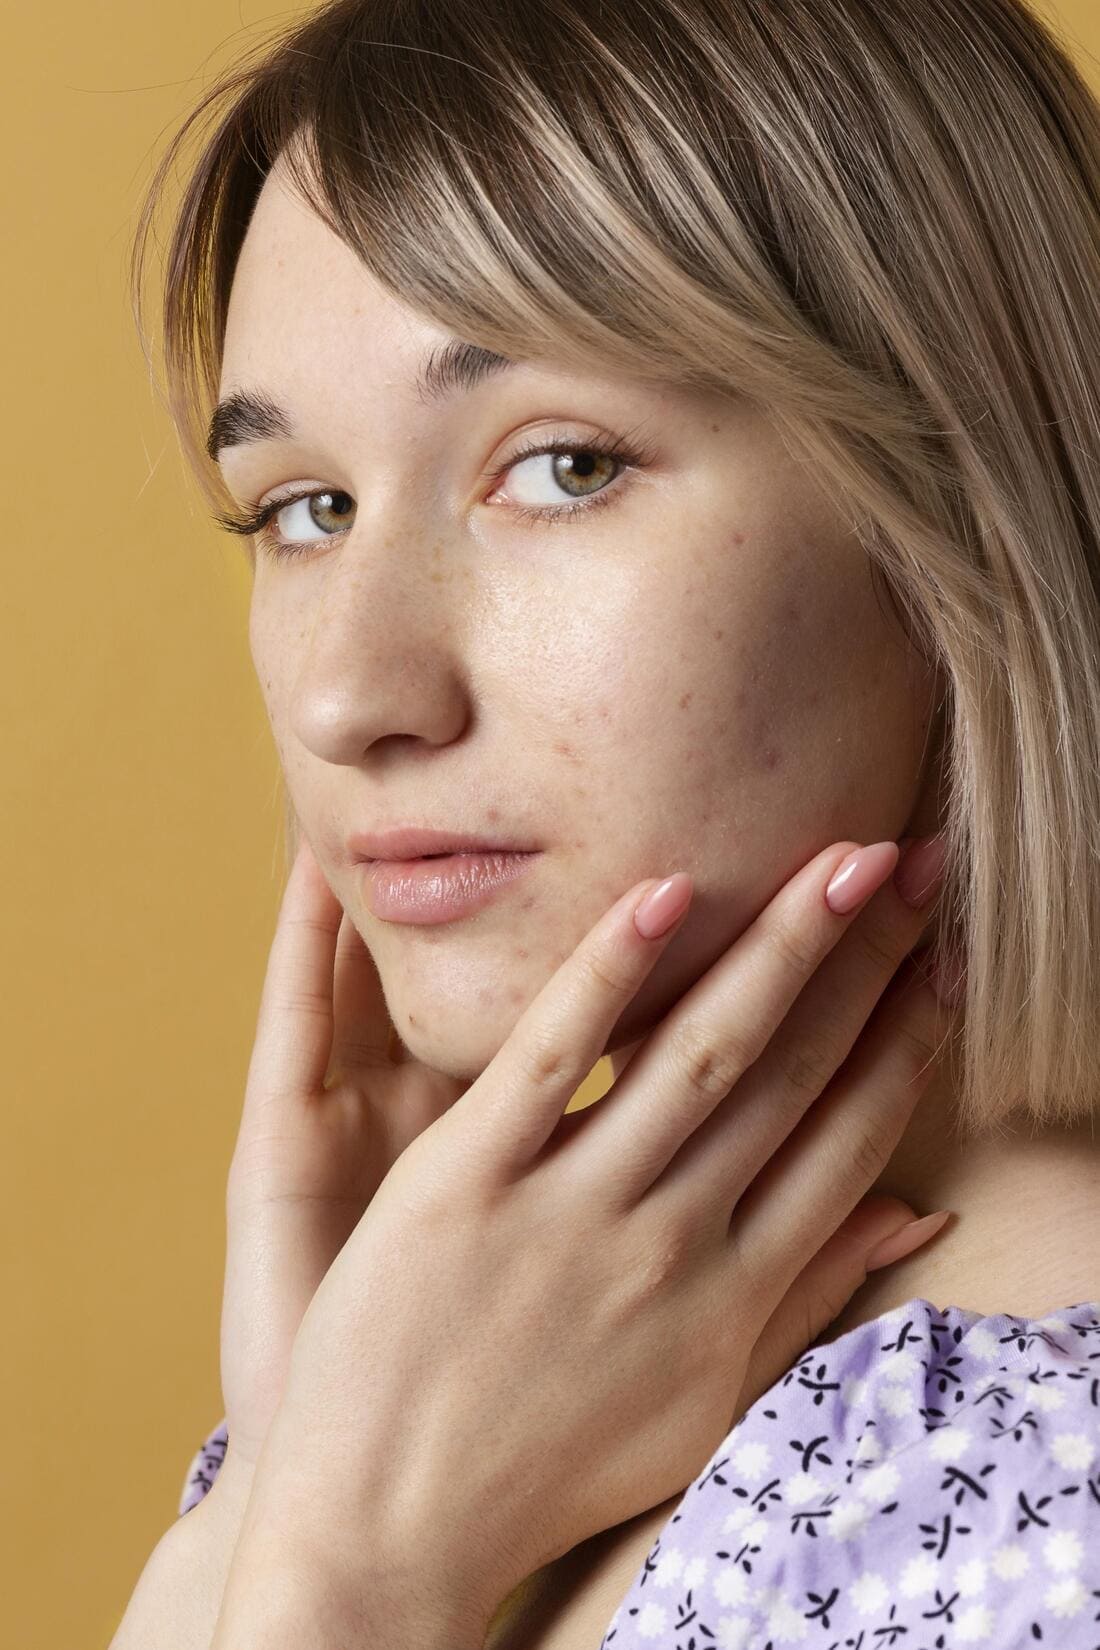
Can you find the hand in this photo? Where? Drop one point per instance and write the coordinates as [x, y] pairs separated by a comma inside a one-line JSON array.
[[529, 1290], [312, 1149]]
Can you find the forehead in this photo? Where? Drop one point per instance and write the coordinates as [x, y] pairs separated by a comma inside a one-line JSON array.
[[302, 298]]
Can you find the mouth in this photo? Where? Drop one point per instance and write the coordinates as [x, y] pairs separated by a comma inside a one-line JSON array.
[[435, 888]]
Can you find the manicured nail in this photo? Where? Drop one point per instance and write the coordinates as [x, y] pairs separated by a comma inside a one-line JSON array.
[[903, 1242], [919, 875], [856, 878], [655, 914]]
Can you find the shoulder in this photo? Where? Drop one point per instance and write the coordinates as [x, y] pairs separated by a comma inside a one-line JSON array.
[[929, 1478]]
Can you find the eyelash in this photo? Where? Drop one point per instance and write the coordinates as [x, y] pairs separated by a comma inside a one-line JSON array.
[[622, 450]]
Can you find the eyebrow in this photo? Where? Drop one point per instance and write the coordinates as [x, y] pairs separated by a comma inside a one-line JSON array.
[[251, 415]]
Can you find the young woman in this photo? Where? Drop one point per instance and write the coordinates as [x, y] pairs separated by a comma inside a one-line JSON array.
[[665, 437]]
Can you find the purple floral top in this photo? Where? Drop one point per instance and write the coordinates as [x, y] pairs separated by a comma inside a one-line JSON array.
[[927, 1481]]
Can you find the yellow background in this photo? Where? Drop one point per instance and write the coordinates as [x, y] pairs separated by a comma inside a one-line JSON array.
[[141, 832]]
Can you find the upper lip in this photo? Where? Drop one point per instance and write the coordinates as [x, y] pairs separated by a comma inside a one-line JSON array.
[[413, 842]]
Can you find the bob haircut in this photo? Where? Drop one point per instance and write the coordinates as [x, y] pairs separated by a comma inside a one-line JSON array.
[[878, 222]]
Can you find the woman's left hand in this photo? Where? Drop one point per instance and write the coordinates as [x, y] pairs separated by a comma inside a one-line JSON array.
[[544, 1325]]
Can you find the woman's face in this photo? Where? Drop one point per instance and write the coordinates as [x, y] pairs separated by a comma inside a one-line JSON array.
[[696, 674]]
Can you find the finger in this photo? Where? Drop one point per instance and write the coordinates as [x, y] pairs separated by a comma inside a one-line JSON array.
[[729, 1149], [293, 1042], [723, 1024], [363, 1034], [826, 1285], [844, 1142], [508, 1114]]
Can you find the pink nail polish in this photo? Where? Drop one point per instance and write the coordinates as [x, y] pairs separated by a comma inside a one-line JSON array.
[[655, 914], [858, 877]]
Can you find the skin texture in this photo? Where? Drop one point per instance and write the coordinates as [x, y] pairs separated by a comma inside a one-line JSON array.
[[700, 676]]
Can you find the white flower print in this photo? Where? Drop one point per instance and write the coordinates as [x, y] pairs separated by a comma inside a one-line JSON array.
[[733, 1633], [949, 1443], [853, 1393], [786, 1625], [974, 1624], [848, 1518], [651, 1622], [730, 1585], [1062, 1550], [737, 1519], [1010, 1563], [1073, 1450], [1065, 1597], [868, 1448], [869, 1593], [752, 1460], [902, 1367], [970, 1577], [802, 1487], [695, 1571], [754, 1533], [670, 1562], [981, 1344], [897, 1400], [878, 1483], [1046, 1397], [919, 1575]]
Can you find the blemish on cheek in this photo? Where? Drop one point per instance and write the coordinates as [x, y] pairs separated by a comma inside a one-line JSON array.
[[522, 954], [771, 758], [413, 1021], [562, 749], [718, 634], [737, 538], [685, 700]]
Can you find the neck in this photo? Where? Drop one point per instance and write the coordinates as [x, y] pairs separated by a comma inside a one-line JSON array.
[[1025, 1234]]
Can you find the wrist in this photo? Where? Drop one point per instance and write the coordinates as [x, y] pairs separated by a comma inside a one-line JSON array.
[[293, 1586]]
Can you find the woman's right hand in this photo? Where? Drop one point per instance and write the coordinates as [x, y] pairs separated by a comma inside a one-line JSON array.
[[306, 1164]]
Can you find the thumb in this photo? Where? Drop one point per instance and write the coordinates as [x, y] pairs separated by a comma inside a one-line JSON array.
[[879, 1230]]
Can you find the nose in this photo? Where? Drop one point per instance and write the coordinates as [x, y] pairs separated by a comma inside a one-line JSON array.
[[384, 654]]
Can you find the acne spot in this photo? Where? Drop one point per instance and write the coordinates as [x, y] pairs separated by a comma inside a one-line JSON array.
[[685, 700], [522, 954], [562, 749], [718, 634], [771, 758], [737, 538]]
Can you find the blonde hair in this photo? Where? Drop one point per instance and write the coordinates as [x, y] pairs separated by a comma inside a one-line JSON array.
[[876, 220]]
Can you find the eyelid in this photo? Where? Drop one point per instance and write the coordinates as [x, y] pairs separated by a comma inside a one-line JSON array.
[[606, 443]]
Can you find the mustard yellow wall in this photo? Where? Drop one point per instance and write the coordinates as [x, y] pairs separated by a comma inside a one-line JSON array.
[[141, 833]]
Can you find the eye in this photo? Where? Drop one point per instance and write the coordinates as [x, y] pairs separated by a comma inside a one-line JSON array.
[[582, 472]]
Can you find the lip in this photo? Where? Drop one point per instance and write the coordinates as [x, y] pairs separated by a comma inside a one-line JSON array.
[[423, 891], [413, 842]]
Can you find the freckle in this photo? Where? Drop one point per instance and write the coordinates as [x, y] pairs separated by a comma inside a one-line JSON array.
[[494, 814], [525, 905], [515, 997], [718, 634], [413, 1021], [685, 700], [737, 538]]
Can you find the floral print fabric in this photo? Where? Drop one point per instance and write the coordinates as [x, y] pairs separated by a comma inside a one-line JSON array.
[[927, 1481]]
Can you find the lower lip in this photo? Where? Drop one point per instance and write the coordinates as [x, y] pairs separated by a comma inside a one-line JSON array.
[[439, 890]]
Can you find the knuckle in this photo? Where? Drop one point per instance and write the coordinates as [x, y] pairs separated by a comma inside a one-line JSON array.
[[867, 1155], [878, 947], [710, 1071], [807, 1069], [544, 1064], [795, 947], [611, 972]]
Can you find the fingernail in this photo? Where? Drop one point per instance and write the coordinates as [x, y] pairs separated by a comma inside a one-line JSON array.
[[919, 875], [857, 877], [903, 1242], [656, 913]]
